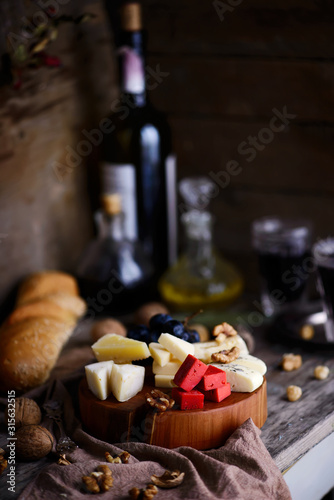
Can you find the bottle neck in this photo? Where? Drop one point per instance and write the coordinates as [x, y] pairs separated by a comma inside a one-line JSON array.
[[110, 226], [198, 245], [132, 69]]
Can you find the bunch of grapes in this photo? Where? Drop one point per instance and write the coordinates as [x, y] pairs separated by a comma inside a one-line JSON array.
[[162, 323]]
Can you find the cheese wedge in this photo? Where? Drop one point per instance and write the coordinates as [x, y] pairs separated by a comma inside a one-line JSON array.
[[203, 350], [98, 378], [126, 381], [169, 369], [241, 378], [251, 362], [160, 355], [119, 349], [164, 381], [178, 347]]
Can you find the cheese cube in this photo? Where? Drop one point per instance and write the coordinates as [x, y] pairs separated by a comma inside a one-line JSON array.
[[217, 395], [160, 355], [168, 369], [164, 381], [126, 381], [98, 378], [188, 400], [178, 347], [213, 378], [190, 373], [241, 378], [119, 349], [251, 362]]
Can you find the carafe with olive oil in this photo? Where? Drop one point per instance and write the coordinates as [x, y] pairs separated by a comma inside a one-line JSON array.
[[201, 277]]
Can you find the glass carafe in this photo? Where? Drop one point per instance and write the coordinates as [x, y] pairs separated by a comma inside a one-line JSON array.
[[114, 274], [201, 277]]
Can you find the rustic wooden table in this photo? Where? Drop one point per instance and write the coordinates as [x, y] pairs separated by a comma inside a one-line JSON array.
[[298, 435]]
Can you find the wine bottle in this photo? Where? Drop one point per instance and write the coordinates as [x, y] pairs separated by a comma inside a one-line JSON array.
[[137, 161]]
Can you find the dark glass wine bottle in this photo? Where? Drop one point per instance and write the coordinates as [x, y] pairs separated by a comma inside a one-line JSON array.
[[136, 156]]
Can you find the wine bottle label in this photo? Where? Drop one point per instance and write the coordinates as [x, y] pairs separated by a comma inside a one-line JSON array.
[[133, 78], [170, 172], [121, 178]]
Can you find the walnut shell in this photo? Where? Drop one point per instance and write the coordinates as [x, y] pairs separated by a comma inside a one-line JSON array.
[[144, 313], [104, 326], [33, 442], [27, 412]]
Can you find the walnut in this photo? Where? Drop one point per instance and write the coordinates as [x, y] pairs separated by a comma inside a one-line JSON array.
[[159, 400], [143, 494], [33, 442], [100, 480], [224, 328], [321, 372], [168, 479], [62, 460], [293, 392], [3, 461], [104, 326], [226, 356], [123, 458], [27, 412], [291, 362], [306, 332]]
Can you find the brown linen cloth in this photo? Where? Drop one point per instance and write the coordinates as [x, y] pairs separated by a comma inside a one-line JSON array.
[[242, 469]]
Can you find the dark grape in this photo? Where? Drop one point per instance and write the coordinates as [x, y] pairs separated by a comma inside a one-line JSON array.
[[193, 336], [174, 327], [139, 332], [158, 320], [154, 335], [186, 336]]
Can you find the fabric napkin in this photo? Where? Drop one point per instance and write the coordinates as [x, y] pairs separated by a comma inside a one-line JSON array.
[[242, 469]]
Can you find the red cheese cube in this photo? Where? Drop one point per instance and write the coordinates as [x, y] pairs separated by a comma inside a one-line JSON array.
[[190, 373], [188, 400], [218, 394], [212, 379]]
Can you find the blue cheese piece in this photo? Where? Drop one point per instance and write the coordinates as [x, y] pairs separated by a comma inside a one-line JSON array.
[[241, 378], [251, 362]]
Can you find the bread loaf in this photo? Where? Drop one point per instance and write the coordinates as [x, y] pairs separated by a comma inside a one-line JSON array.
[[29, 350], [34, 334], [43, 283]]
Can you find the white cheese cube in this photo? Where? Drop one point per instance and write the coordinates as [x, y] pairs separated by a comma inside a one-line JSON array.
[[241, 378], [169, 369], [126, 381], [164, 381], [178, 347], [159, 353], [98, 378]]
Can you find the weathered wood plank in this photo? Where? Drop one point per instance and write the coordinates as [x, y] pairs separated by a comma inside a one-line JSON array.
[[298, 158], [245, 88], [255, 28]]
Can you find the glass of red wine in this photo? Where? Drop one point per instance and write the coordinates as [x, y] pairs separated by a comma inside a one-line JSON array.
[[323, 254], [284, 253]]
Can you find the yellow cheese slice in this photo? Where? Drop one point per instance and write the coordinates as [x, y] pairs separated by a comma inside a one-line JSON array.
[[119, 349]]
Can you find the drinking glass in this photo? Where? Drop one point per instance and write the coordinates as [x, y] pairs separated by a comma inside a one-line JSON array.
[[283, 246], [323, 254]]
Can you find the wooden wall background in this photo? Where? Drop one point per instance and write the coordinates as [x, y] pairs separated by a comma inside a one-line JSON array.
[[225, 76]]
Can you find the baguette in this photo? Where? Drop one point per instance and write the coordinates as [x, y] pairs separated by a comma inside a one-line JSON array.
[[45, 283], [32, 337], [29, 350]]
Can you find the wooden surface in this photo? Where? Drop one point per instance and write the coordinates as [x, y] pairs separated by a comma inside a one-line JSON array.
[[291, 429], [201, 429]]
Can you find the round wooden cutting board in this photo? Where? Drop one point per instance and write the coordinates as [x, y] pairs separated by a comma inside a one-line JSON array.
[[134, 420]]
